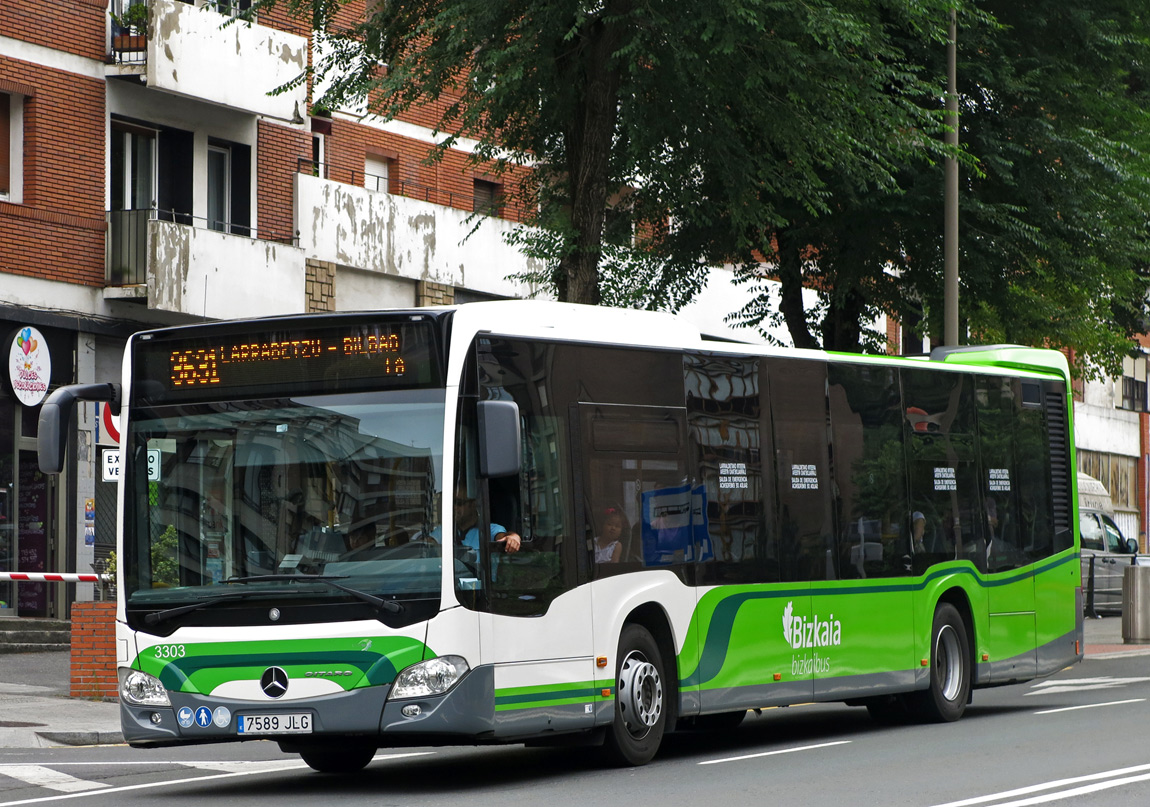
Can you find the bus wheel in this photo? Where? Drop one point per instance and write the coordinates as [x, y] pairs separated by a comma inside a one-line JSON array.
[[337, 758], [950, 671], [640, 700]]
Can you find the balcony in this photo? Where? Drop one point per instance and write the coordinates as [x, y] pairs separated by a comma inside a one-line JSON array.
[[173, 262], [188, 51], [410, 232]]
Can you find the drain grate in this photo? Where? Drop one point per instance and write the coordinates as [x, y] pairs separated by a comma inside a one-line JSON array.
[[16, 724]]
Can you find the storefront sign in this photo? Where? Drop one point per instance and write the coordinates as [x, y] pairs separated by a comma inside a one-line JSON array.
[[29, 366]]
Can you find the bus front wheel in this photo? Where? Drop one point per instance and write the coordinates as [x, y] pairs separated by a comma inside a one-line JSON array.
[[950, 668], [640, 700]]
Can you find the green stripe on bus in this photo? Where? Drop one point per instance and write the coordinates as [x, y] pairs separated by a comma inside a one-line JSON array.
[[720, 625]]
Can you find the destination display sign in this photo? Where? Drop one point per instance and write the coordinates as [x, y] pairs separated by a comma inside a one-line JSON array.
[[293, 361]]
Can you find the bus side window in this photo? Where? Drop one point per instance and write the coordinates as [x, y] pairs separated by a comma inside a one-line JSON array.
[[870, 471], [735, 536], [796, 399], [535, 503]]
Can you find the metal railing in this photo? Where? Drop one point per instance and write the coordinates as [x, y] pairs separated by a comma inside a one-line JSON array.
[[130, 44], [1092, 589], [126, 250]]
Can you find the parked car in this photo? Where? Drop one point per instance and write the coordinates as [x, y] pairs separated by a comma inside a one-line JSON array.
[[1106, 552]]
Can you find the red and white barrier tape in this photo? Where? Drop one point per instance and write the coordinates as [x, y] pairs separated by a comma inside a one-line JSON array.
[[54, 577]]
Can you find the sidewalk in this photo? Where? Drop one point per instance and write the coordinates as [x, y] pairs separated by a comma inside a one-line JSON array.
[[36, 710]]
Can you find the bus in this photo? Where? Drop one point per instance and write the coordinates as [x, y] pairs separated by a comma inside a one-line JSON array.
[[703, 528]]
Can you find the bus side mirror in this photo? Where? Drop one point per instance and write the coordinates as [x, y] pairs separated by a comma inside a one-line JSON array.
[[56, 418], [498, 438], [1131, 546]]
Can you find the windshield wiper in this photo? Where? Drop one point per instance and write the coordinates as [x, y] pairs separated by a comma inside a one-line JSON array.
[[391, 606], [156, 617]]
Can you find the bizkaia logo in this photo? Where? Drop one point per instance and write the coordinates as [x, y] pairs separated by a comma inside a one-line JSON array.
[[801, 633]]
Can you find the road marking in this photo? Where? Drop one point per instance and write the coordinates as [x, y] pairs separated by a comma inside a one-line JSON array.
[[1065, 794], [765, 753], [1088, 706], [1082, 685], [264, 767], [39, 776]]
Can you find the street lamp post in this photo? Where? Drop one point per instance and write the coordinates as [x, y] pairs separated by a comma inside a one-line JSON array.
[[950, 200]]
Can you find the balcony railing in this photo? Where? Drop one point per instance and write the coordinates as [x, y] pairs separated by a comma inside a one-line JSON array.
[[126, 251]]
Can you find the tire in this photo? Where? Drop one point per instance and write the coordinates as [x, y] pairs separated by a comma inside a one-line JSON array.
[[950, 669], [640, 700], [337, 758]]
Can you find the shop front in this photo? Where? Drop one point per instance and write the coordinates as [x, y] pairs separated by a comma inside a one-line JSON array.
[[33, 533]]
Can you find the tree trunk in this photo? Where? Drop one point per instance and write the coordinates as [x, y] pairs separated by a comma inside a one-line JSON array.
[[843, 323], [589, 143], [791, 292]]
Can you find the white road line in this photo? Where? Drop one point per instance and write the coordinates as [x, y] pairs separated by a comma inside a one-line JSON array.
[[39, 776], [286, 765], [1057, 783], [764, 754], [1088, 706]]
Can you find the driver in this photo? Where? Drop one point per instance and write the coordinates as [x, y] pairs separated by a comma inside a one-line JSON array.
[[467, 525]]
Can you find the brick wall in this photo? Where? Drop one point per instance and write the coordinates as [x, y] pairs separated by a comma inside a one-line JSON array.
[[57, 231], [75, 26], [278, 150], [94, 650], [449, 182]]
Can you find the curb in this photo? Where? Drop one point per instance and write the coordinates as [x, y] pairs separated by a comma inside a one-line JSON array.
[[82, 737]]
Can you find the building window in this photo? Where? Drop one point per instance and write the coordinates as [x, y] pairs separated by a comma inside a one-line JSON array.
[[219, 188], [1133, 384], [11, 147], [377, 173], [487, 198]]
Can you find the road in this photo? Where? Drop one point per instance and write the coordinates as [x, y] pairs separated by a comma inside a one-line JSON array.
[[1078, 738]]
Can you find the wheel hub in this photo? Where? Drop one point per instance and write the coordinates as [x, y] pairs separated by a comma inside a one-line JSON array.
[[640, 694]]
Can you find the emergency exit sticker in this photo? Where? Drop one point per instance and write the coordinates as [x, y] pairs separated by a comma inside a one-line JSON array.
[[110, 460]]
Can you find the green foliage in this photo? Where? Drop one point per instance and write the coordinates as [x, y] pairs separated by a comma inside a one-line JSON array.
[[134, 18], [1053, 240], [809, 134], [165, 566], [695, 124]]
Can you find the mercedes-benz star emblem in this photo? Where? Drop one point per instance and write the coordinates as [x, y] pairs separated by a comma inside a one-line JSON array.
[[274, 682]]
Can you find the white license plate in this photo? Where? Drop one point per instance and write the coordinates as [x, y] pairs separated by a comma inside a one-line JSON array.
[[275, 724]]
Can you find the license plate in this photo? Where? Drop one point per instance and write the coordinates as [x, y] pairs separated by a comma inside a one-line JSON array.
[[275, 724]]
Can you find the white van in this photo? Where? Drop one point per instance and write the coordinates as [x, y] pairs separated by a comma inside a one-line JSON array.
[[1103, 546]]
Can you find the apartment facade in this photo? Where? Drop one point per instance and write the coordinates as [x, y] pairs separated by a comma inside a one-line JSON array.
[[148, 177]]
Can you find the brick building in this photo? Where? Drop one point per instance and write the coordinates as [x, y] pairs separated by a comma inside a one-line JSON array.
[[147, 178]]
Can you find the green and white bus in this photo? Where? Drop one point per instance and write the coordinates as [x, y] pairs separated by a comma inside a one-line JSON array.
[[705, 528]]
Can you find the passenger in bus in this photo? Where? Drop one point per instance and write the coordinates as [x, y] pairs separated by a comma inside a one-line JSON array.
[[609, 541], [917, 527]]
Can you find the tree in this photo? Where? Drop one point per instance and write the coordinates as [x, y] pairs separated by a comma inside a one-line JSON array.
[[1054, 245], [661, 136]]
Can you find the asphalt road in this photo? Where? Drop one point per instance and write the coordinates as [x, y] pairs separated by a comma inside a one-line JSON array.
[[1078, 738]]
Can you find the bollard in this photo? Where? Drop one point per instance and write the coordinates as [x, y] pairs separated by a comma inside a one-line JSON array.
[[1136, 605]]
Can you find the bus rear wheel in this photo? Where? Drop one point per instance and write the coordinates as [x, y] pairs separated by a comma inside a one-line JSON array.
[[950, 668], [640, 700], [337, 758]]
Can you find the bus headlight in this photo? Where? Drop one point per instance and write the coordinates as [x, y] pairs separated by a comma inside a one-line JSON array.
[[432, 677], [140, 689]]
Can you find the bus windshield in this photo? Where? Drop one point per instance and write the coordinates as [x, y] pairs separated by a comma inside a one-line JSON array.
[[231, 503]]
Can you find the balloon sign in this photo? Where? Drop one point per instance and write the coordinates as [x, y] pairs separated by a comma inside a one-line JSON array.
[[29, 366]]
